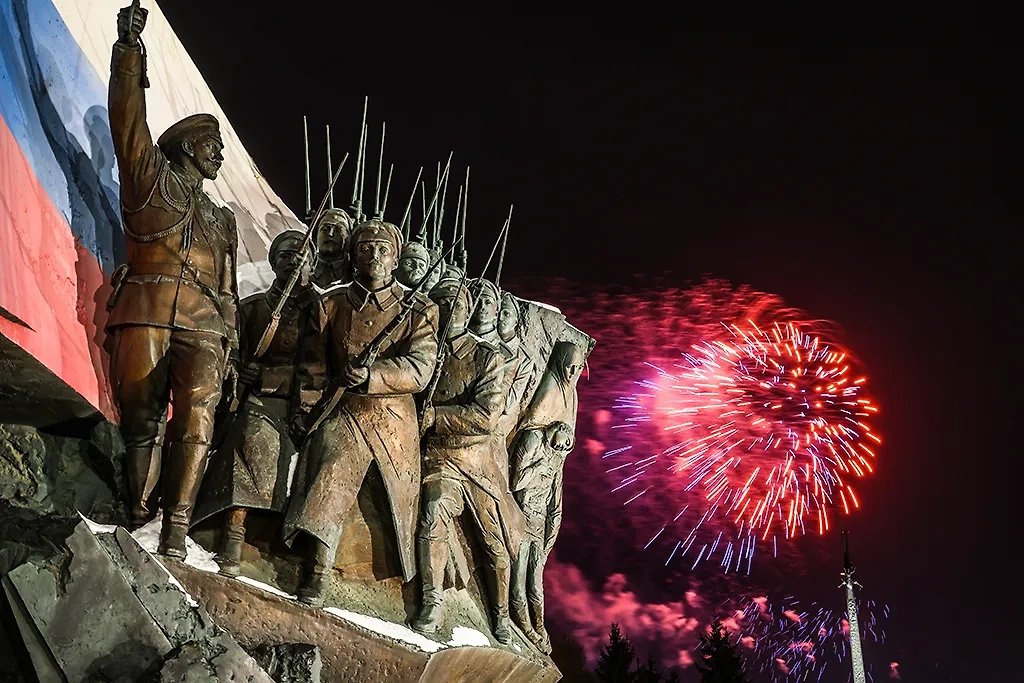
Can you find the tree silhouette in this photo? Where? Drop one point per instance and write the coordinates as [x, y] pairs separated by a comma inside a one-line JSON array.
[[616, 658], [718, 660], [568, 655], [649, 672]]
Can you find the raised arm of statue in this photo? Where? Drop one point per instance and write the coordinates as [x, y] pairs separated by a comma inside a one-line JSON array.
[[480, 416], [410, 370], [138, 159]]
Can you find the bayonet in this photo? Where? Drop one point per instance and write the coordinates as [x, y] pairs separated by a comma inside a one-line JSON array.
[[463, 255], [362, 176], [387, 191], [330, 199], [377, 210], [501, 257], [408, 207], [495, 247], [455, 232], [305, 139], [433, 201], [357, 195]]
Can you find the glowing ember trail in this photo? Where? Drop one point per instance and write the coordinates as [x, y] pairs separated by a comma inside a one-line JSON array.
[[767, 429]]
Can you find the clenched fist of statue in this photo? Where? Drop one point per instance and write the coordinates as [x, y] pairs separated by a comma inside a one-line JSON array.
[[250, 374], [130, 23], [356, 375]]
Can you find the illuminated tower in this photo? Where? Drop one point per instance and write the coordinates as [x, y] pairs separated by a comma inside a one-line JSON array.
[[856, 656]]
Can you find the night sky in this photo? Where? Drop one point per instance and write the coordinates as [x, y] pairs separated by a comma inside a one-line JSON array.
[[851, 166]]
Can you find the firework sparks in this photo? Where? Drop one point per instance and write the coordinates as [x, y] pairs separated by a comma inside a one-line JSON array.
[[790, 641], [767, 429]]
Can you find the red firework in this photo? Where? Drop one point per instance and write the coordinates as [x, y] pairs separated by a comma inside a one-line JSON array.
[[768, 428]]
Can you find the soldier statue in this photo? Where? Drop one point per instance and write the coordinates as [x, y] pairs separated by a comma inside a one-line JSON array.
[[460, 470], [484, 320], [173, 306], [362, 414], [251, 467], [521, 372], [536, 482], [413, 265], [433, 276], [332, 240]]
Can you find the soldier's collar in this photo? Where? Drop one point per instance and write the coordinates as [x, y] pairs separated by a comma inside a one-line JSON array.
[[507, 351], [187, 180], [462, 345], [384, 298]]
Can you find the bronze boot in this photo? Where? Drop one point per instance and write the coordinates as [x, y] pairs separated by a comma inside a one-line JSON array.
[[314, 587], [142, 467], [521, 618], [502, 625], [433, 558], [544, 641], [184, 472], [230, 556]]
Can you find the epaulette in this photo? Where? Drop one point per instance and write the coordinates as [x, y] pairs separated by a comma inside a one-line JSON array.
[[421, 302]]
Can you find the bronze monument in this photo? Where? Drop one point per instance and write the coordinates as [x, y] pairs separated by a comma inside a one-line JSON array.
[[251, 468], [332, 240], [460, 470], [536, 481], [173, 306], [361, 414]]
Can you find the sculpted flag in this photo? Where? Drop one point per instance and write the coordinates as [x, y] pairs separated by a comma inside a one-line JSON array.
[[60, 224]]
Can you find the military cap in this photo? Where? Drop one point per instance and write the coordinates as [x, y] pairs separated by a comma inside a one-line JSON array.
[[456, 283], [289, 239], [336, 217], [189, 128], [450, 271], [416, 250], [480, 284], [375, 230], [514, 300]]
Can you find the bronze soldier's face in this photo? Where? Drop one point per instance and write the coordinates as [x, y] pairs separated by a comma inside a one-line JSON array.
[[507, 319], [432, 279], [486, 314], [207, 155], [375, 259], [285, 264], [411, 270], [332, 240], [451, 306]]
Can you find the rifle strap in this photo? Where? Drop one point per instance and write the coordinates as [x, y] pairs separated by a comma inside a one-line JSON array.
[[268, 336]]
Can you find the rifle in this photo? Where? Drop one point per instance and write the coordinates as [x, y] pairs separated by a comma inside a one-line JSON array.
[[442, 352], [275, 313], [373, 349]]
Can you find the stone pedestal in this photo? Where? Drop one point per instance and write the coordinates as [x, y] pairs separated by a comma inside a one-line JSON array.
[[354, 647]]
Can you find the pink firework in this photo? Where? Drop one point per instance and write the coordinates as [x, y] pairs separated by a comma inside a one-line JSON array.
[[765, 431]]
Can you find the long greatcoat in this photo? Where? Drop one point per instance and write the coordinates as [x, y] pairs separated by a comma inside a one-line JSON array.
[[464, 443], [377, 423], [252, 466]]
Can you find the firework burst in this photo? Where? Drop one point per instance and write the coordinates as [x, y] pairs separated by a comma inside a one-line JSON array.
[[761, 433]]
